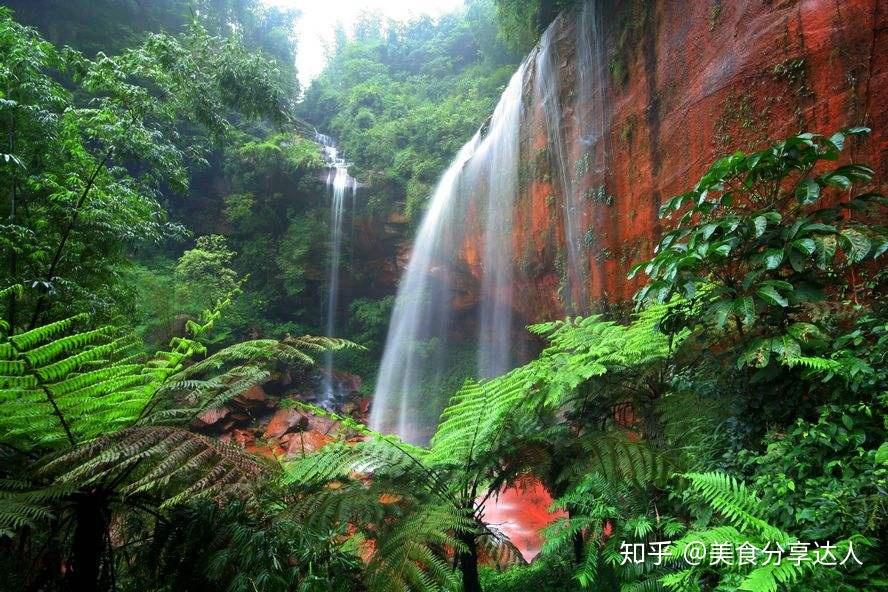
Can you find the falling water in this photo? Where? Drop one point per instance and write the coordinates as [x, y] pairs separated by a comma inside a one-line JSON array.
[[338, 184], [588, 152], [496, 161], [418, 336], [481, 186]]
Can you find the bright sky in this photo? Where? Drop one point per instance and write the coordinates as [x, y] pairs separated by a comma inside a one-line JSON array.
[[316, 27]]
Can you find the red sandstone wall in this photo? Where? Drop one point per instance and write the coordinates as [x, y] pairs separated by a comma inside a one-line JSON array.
[[702, 78]]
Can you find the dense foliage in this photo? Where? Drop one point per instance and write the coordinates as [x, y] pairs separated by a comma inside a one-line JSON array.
[[402, 98], [761, 426]]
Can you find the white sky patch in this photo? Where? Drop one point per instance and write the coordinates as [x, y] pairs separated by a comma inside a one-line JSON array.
[[316, 27]]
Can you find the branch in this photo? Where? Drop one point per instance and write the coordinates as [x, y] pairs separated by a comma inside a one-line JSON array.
[[41, 302]]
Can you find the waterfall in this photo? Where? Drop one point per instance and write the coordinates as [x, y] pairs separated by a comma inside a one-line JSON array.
[[481, 187], [418, 339], [338, 184], [586, 151]]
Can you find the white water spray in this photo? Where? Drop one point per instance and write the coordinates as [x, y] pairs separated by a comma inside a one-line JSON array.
[[338, 184]]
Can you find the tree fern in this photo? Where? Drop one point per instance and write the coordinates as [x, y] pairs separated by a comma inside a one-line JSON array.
[[733, 500], [109, 427]]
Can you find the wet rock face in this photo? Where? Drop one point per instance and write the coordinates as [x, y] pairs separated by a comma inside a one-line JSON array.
[[686, 82]]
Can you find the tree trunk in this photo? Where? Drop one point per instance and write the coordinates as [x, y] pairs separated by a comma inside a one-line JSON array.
[[468, 563], [88, 552], [579, 544]]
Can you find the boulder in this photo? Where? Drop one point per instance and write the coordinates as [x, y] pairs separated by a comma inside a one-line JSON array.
[[210, 418], [253, 397], [286, 420], [296, 444]]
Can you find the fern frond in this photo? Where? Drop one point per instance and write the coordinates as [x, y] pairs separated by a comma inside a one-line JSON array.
[[21, 506], [735, 501], [173, 462]]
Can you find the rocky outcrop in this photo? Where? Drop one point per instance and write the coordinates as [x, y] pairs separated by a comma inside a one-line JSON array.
[[686, 82], [267, 423]]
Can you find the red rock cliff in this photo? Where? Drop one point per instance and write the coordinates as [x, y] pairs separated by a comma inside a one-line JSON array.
[[688, 81]]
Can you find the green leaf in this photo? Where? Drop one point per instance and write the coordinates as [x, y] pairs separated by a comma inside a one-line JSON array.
[[807, 191], [838, 140], [721, 310], [787, 348], [797, 259], [835, 180], [882, 454], [856, 244], [758, 354], [817, 227], [770, 295], [773, 258], [761, 224], [773, 217], [707, 230], [805, 245], [857, 130], [826, 250], [805, 332], [745, 307]]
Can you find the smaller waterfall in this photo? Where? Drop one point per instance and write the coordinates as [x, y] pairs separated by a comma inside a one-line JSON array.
[[339, 183], [583, 151]]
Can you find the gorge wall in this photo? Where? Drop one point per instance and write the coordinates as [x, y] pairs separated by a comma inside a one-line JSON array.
[[686, 81]]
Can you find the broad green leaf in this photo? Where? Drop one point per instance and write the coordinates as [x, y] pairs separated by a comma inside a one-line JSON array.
[[787, 348], [857, 130], [779, 285], [835, 180], [805, 245], [816, 227], [721, 310], [761, 224], [745, 307], [772, 296], [807, 191], [880, 249], [805, 332], [826, 250], [838, 140], [856, 245], [882, 454], [773, 258], [773, 217], [797, 259], [758, 354]]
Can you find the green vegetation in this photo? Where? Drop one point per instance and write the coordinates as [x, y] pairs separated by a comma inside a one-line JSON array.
[[740, 408], [521, 22], [402, 98]]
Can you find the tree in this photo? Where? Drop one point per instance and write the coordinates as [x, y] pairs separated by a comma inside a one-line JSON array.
[[113, 147]]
